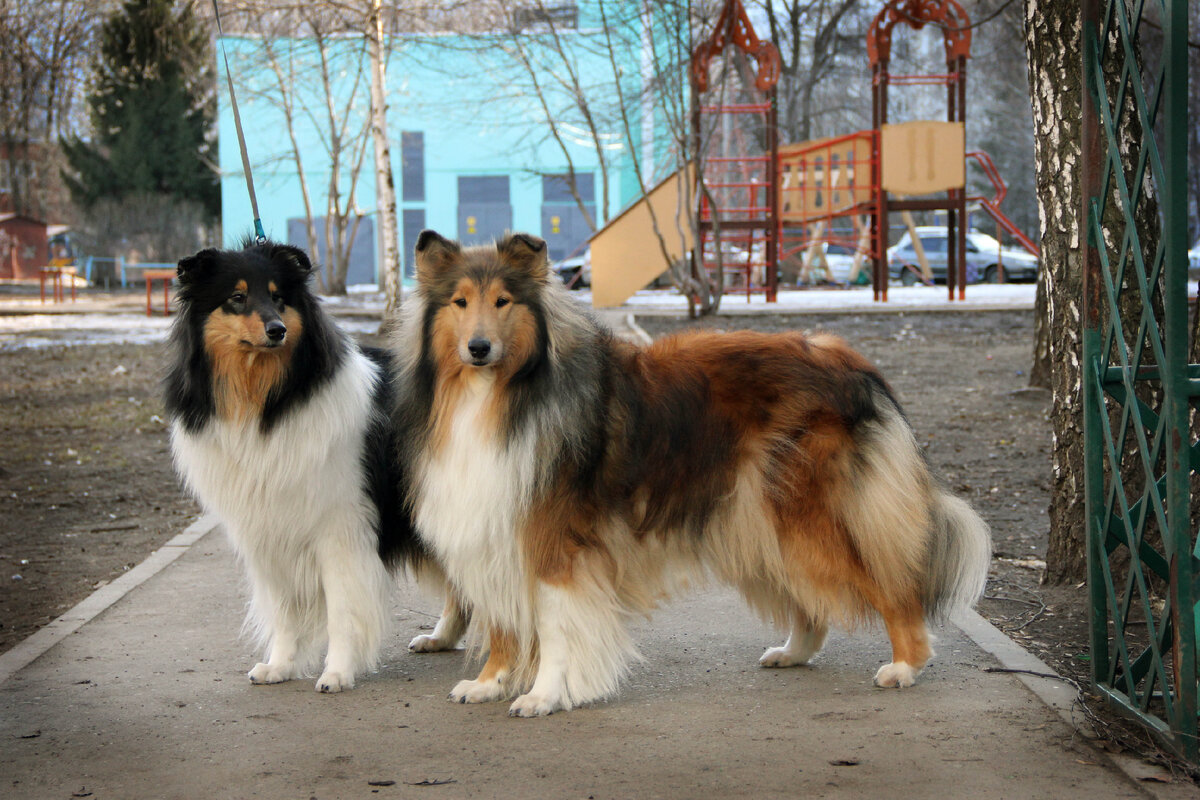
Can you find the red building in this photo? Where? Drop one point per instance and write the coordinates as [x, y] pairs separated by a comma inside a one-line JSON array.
[[23, 247]]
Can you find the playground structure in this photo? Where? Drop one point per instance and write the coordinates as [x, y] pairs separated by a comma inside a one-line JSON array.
[[763, 207]]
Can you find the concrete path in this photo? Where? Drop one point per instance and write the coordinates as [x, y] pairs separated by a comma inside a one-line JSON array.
[[142, 694]]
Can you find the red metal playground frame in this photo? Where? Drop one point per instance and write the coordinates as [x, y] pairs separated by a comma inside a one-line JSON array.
[[755, 194]]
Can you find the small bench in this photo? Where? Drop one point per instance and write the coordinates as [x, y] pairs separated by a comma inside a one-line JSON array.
[[55, 274], [164, 275]]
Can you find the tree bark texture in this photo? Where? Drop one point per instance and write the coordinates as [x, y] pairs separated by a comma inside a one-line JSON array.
[[1053, 36], [1053, 42], [385, 184]]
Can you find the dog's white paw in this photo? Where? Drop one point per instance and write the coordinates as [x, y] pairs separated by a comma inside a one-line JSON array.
[[782, 657], [272, 673], [897, 674], [532, 705], [426, 643], [477, 691], [333, 681]]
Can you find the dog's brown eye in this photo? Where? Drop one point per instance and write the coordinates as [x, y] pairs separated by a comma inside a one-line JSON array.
[[501, 302], [238, 298], [461, 302]]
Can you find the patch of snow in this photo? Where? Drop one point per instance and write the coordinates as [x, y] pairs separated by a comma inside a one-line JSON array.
[[35, 331], [836, 301]]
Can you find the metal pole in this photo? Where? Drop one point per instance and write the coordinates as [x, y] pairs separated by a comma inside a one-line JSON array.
[[1175, 374], [773, 224], [960, 87], [879, 85], [1093, 398]]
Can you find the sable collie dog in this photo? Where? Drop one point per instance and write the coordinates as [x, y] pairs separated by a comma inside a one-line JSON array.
[[567, 480], [279, 426]]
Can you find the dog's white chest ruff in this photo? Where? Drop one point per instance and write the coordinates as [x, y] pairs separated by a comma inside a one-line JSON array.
[[473, 492], [283, 484]]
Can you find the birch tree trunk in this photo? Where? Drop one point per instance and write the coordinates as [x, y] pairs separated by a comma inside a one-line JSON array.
[[1053, 43], [1052, 40], [385, 186]]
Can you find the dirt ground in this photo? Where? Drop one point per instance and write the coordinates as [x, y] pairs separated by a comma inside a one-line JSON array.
[[87, 489]]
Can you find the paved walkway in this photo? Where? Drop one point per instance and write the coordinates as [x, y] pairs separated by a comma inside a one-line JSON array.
[[141, 693]]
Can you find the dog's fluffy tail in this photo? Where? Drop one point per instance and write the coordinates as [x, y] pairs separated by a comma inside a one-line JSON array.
[[960, 551], [913, 535]]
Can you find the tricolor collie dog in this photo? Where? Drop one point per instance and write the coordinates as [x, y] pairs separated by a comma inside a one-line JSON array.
[[279, 426], [567, 480]]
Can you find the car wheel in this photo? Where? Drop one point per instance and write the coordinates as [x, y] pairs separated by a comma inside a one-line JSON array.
[[907, 276], [991, 274]]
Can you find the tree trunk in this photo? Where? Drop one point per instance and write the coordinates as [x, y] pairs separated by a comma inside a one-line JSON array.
[[1053, 47], [385, 185], [1053, 42]]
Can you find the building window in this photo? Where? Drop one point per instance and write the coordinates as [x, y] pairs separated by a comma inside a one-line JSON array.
[[412, 169], [484, 209], [545, 17], [557, 188], [414, 223], [564, 226]]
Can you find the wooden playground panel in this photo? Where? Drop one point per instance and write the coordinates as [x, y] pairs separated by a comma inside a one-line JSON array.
[[840, 177]]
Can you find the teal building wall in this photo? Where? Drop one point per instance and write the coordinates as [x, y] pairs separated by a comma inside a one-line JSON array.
[[472, 105]]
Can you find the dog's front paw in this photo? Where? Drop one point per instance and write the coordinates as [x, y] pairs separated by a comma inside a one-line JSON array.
[[427, 643], [532, 705], [272, 673], [333, 681], [477, 691], [782, 657], [897, 674]]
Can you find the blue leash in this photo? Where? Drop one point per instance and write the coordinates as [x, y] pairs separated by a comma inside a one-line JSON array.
[[259, 235]]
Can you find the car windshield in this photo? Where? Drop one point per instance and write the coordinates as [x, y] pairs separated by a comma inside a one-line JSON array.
[[983, 242]]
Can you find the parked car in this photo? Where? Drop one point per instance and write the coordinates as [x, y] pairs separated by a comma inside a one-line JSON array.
[[985, 257], [577, 265], [840, 259]]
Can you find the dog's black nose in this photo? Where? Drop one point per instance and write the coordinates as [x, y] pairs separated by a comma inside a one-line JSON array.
[[479, 348], [276, 330]]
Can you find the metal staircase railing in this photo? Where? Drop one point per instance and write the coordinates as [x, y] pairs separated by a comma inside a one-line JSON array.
[[992, 205]]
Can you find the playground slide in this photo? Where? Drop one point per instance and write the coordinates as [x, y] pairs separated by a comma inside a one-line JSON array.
[[627, 253], [992, 205]]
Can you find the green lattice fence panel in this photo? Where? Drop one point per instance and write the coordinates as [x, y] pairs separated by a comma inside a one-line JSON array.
[[1137, 382]]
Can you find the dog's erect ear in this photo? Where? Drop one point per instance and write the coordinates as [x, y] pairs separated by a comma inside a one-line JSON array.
[[523, 251], [434, 253], [292, 258], [195, 267]]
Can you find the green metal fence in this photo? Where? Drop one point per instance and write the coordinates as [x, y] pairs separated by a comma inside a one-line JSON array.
[[1137, 382]]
